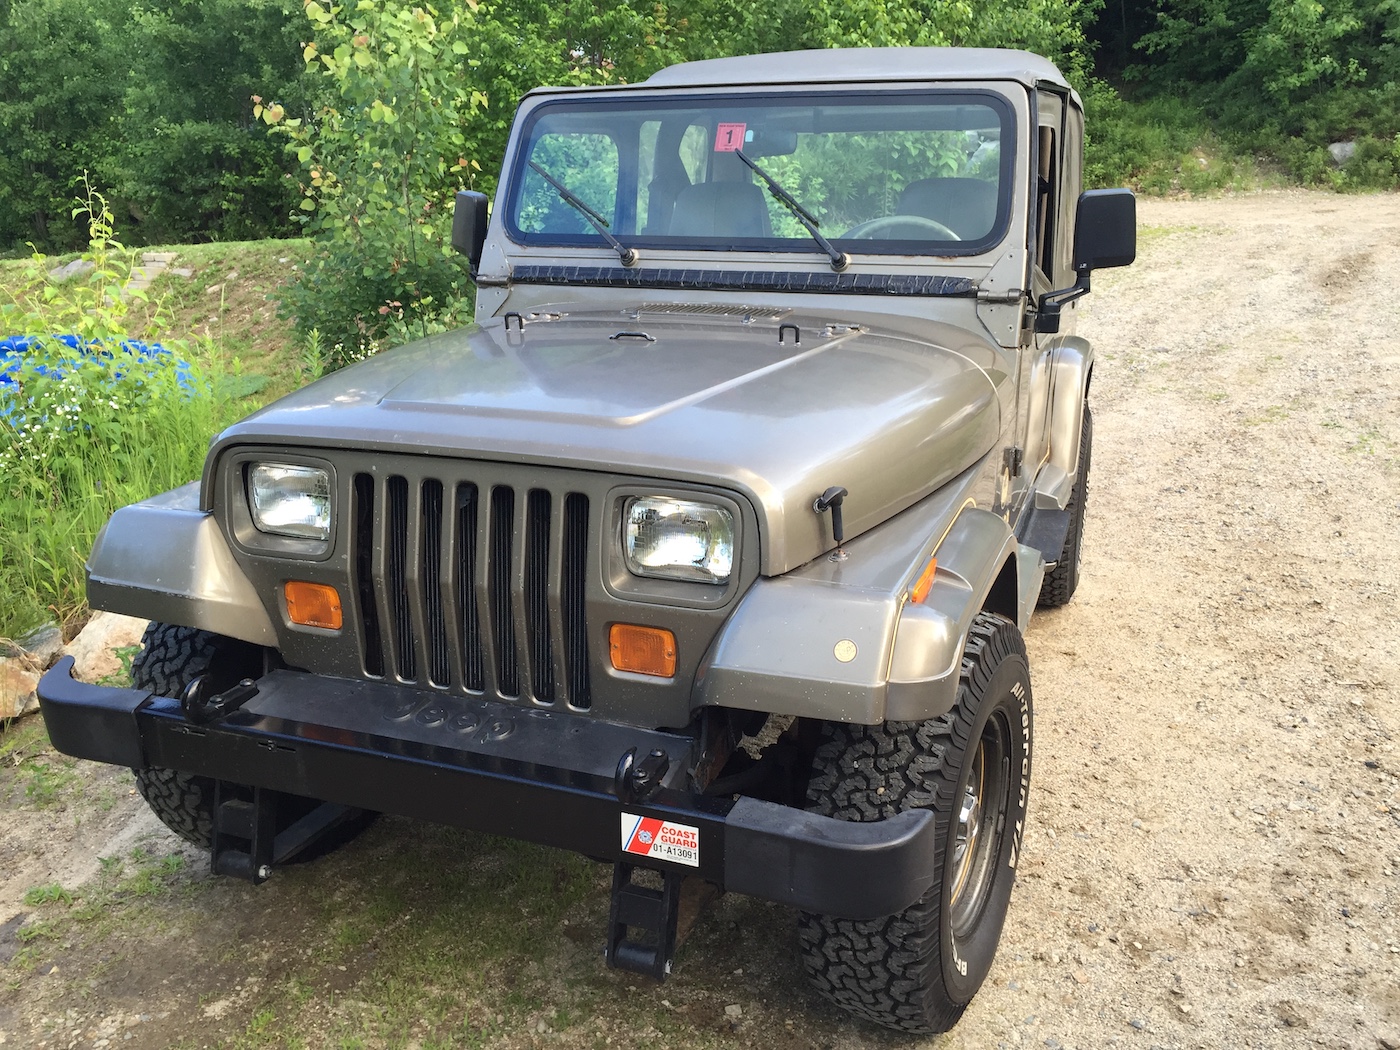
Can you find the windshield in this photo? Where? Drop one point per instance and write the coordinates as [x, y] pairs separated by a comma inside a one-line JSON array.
[[911, 173]]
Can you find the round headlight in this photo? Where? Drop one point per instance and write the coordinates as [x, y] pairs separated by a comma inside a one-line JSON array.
[[289, 500], [677, 539]]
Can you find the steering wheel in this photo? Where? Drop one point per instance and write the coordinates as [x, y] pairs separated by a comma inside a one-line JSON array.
[[869, 229]]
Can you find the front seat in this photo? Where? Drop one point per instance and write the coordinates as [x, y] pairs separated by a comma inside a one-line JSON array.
[[720, 209], [968, 207]]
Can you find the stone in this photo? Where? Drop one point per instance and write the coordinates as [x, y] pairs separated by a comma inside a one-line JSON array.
[[76, 268], [1342, 152], [17, 683], [40, 646], [92, 651], [733, 1011], [182, 271]]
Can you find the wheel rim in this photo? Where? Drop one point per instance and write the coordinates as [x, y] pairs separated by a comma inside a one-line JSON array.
[[980, 825]]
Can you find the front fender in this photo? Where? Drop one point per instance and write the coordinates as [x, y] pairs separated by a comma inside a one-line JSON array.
[[165, 559], [840, 640]]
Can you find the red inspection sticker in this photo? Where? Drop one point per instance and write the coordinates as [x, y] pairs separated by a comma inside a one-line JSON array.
[[661, 840], [729, 137]]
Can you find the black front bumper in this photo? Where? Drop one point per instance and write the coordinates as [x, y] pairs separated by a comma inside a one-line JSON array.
[[539, 775]]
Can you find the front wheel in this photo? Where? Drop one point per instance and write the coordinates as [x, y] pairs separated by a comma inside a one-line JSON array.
[[917, 970], [170, 659]]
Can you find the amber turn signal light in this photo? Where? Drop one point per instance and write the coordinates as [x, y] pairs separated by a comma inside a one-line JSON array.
[[643, 650], [313, 604], [924, 583]]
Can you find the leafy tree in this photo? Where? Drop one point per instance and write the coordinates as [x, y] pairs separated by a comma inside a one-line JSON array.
[[381, 157], [60, 91], [192, 161]]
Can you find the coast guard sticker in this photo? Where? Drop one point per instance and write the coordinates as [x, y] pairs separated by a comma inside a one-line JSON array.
[[660, 840]]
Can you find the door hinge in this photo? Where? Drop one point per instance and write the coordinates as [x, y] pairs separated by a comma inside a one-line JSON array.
[[1012, 457]]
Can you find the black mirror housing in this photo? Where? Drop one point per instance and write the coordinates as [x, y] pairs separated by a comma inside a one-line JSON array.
[[469, 226], [1105, 230]]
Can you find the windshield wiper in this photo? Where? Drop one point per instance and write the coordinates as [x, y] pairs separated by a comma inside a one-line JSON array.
[[626, 254], [839, 260]]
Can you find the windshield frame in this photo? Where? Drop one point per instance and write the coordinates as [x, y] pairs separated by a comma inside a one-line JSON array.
[[636, 101]]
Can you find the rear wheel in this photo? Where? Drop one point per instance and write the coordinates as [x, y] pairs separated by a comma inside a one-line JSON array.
[[170, 659], [917, 970]]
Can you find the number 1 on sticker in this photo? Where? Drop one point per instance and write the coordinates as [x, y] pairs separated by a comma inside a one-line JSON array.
[[729, 137]]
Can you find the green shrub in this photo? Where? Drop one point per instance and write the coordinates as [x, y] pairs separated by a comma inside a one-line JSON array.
[[381, 160], [1158, 145]]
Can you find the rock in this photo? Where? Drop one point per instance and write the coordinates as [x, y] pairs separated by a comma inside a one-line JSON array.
[[40, 647], [92, 650], [76, 268], [181, 271], [1342, 152], [733, 1011], [17, 684]]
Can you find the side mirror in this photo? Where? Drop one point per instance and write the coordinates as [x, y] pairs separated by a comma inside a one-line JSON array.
[[1105, 230], [1105, 235], [469, 226]]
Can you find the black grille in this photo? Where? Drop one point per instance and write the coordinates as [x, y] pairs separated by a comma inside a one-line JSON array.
[[476, 589]]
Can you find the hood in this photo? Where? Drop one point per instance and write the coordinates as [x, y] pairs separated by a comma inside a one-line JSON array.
[[713, 401]]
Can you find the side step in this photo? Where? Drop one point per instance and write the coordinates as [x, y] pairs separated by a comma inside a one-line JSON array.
[[1045, 530], [253, 837], [652, 914]]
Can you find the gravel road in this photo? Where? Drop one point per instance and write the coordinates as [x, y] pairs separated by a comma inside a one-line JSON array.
[[1213, 855]]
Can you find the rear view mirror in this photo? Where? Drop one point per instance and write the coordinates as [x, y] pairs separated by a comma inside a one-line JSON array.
[[469, 226], [1105, 230]]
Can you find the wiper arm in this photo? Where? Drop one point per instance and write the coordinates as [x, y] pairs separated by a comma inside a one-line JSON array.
[[839, 260], [626, 254]]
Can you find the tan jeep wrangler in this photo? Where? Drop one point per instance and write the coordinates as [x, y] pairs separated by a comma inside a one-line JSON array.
[[706, 551]]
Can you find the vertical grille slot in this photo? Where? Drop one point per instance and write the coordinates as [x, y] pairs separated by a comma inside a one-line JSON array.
[[502, 615], [372, 646], [537, 513], [434, 614], [467, 614], [396, 571], [575, 563]]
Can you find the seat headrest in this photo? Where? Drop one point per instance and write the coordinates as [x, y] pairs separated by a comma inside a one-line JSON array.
[[968, 207], [720, 209]]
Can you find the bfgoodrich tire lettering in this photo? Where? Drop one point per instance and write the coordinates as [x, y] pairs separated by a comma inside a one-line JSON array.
[[917, 970]]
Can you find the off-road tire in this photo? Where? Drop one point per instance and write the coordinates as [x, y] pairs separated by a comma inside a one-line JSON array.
[[1060, 582], [916, 971], [171, 657]]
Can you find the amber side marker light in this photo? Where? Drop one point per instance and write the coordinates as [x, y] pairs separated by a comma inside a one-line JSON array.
[[643, 650], [924, 583], [313, 604]]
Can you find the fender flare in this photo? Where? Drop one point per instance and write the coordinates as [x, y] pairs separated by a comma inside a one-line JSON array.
[[165, 559], [1071, 370]]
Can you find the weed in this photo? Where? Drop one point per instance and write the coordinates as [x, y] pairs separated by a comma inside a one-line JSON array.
[[86, 429], [49, 893], [47, 780]]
